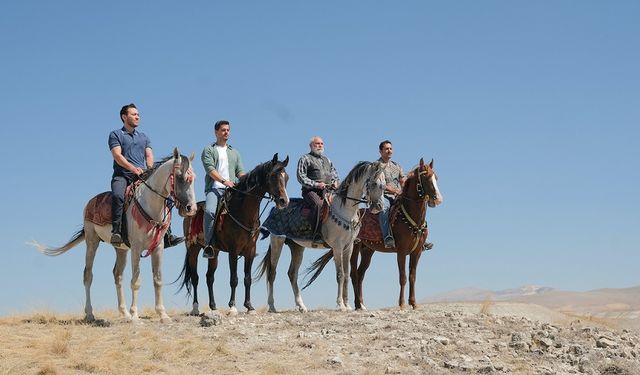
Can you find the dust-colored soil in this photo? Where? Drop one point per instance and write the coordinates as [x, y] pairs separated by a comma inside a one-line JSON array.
[[437, 338]]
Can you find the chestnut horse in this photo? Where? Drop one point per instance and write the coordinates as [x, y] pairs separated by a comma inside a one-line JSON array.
[[408, 218], [147, 218], [236, 230]]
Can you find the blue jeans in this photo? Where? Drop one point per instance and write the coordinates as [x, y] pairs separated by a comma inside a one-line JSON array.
[[383, 218], [213, 196]]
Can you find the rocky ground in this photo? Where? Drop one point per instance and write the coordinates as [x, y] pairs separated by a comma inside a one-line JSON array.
[[439, 338]]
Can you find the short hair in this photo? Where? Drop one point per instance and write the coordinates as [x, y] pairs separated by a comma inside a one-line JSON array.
[[381, 146], [219, 123], [125, 110]]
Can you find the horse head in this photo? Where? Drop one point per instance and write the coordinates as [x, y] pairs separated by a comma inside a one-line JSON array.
[[427, 184], [277, 179], [183, 189]]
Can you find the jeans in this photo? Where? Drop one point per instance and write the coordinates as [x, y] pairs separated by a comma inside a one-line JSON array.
[[213, 196], [119, 185], [314, 200], [383, 218]]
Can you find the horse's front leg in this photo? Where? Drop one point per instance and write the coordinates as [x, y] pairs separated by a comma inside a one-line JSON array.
[[346, 261], [340, 277], [297, 253], [135, 281], [233, 280], [156, 268], [248, 262], [272, 257], [211, 272], [413, 268], [118, 270], [403, 278]]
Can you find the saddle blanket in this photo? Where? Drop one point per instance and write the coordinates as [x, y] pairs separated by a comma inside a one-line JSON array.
[[290, 221]]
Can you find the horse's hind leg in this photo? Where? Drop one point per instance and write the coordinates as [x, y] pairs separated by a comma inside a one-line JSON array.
[[118, 270], [92, 242], [135, 283], [211, 272], [297, 253], [413, 266], [365, 262], [346, 261], [233, 280], [192, 263], [341, 276]]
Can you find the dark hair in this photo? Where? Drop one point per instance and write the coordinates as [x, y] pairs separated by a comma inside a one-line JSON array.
[[125, 110], [220, 123], [384, 143]]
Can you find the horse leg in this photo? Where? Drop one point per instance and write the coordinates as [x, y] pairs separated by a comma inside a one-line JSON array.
[[135, 282], [118, 270], [365, 262], [192, 263], [355, 254], [156, 268], [403, 278], [413, 267], [297, 252], [346, 261], [248, 262], [340, 277], [233, 280], [275, 249], [92, 242], [211, 272]]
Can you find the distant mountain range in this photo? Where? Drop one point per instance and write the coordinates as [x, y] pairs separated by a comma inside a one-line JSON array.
[[621, 302]]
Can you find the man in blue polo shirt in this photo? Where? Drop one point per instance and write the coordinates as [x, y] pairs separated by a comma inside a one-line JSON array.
[[132, 155]]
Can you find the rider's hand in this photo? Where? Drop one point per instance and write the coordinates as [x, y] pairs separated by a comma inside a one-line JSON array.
[[228, 183], [138, 171], [321, 185]]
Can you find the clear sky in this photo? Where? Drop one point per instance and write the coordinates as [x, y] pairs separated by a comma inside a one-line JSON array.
[[530, 110]]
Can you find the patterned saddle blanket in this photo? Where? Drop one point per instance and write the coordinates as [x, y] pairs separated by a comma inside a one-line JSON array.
[[370, 229], [293, 220], [98, 210]]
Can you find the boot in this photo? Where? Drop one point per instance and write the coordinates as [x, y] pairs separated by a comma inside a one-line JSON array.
[[171, 240], [116, 239]]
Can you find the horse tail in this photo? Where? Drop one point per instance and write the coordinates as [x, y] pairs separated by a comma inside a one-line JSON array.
[[264, 266], [77, 238], [185, 275], [318, 266]]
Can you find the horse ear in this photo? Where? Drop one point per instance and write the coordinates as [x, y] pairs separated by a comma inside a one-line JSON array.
[[275, 158], [176, 153], [421, 163], [286, 161], [193, 155], [431, 164]]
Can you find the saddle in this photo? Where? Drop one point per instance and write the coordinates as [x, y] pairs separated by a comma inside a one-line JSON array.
[[370, 229], [98, 209]]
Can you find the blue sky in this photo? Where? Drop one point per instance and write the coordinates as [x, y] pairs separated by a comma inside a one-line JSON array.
[[530, 110]]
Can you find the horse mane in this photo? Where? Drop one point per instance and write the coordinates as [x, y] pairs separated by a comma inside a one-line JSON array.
[[354, 175], [146, 174], [257, 175]]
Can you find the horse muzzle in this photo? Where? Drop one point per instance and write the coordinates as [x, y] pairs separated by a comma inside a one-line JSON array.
[[375, 208], [281, 202], [187, 210]]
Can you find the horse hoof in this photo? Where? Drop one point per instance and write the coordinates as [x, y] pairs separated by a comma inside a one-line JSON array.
[[302, 309], [251, 312], [194, 312], [89, 318], [272, 309], [166, 319], [214, 314], [233, 311]]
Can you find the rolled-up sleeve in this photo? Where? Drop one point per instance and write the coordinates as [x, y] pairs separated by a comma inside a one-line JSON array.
[[208, 161]]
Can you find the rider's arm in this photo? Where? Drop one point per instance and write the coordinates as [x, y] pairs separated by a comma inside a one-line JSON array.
[[301, 173], [116, 152], [148, 153]]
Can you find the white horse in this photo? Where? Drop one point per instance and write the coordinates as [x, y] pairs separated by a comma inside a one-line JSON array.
[[147, 218], [364, 184]]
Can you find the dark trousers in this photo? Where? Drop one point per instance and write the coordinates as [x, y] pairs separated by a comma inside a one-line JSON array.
[[313, 199], [119, 185]]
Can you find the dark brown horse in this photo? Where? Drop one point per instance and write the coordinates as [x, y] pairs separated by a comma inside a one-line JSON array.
[[236, 229], [408, 218]]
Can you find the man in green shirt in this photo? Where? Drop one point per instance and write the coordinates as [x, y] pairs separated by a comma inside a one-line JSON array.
[[223, 165]]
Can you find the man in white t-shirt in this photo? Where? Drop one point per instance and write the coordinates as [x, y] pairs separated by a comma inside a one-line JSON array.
[[223, 165]]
